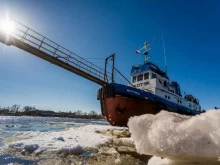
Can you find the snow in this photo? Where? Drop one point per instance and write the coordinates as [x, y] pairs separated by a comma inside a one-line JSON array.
[[176, 136], [160, 161], [178, 139], [74, 140]]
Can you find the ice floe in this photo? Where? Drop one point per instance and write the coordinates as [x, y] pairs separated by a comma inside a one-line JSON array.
[[177, 137], [71, 141]]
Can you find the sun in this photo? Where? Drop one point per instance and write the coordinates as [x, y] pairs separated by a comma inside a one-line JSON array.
[[7, 26]]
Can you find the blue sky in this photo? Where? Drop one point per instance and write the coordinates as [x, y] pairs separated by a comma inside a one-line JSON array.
[[98, 28]]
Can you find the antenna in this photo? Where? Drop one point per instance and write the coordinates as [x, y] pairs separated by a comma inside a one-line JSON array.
[[164, 51], [145, 49]]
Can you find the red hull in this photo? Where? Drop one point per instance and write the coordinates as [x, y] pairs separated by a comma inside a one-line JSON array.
[[119, 109]]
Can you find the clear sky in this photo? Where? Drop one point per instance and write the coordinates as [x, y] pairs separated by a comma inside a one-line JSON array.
[[98, 28]]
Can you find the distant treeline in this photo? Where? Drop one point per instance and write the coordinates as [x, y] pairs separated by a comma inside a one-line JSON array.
[[16, 110]]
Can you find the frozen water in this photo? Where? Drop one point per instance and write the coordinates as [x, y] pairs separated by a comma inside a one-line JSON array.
[[73, 140]]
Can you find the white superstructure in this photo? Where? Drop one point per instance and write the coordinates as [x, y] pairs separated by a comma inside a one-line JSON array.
[[149, 77]]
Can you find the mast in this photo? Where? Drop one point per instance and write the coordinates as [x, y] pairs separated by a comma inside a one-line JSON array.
[[145, 50]]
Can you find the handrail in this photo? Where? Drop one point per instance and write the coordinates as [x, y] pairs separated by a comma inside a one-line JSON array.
[[37, 44]]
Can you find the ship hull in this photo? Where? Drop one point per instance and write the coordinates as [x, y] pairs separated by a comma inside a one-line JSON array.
[[120, 102], [119, 109]]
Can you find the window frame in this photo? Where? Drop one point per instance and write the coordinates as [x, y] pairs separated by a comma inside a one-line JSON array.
[[134, 78], [140, 75], [147, 73], [152, 76]]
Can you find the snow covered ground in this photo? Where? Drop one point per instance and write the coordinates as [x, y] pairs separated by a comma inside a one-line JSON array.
[[177, 137]]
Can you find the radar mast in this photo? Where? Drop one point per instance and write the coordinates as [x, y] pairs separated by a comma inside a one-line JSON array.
[[145, 49]]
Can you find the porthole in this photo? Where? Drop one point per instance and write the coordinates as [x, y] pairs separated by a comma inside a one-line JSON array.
[[168, 97]]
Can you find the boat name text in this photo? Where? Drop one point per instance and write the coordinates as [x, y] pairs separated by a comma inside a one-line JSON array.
[[137, 93]]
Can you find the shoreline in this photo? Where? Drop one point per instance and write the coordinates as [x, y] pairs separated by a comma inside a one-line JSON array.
[[57, 115]]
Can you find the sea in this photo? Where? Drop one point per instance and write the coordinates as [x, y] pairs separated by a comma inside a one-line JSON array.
[[10, 125]]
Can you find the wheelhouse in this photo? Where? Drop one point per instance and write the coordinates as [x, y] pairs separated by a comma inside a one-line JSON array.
[[151, 78], [142, 75]]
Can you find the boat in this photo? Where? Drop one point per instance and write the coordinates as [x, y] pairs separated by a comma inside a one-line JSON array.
[[149, 92]]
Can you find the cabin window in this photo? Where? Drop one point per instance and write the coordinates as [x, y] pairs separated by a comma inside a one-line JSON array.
[[165, 83], [154, 75], [168, 97], [160, 81], [146, 76], [134, 79], [140, 77]]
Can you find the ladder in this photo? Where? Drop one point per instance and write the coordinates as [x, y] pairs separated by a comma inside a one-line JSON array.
[[36, 44]]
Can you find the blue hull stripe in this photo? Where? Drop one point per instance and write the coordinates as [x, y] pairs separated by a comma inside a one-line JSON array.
[[123, 89]]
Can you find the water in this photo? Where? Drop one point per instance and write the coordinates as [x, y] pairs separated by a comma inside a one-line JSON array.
[[10, 125], [10, 159]]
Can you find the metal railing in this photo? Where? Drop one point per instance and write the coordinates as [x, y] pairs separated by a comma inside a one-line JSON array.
[[38, 41]]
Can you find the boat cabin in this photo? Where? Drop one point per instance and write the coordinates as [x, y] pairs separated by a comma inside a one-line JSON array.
[[145, 76], [151, 78]]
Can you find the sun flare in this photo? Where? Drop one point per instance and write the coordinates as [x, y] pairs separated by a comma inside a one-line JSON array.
[[7, 26]]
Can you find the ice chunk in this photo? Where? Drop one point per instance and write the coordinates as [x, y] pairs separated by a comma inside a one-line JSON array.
[[164, 161], [59, 138], [173, 135], [72, 150], [31, 148], [24, 147]]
